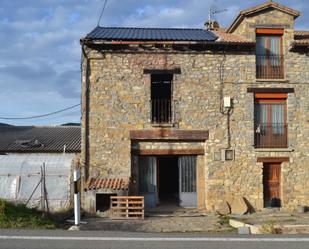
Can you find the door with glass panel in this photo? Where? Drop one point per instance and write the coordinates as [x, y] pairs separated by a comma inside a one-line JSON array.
[[270, 123], [269, 58]]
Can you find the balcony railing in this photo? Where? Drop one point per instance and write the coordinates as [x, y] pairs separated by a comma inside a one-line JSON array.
[[162, 111], [271, 136], [269, 67]]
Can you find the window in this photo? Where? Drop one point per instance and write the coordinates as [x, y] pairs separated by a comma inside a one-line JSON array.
[[270, 121], [161, 98], [269, 57]]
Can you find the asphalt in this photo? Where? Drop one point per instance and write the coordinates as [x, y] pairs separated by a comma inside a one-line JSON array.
[[49, 239]]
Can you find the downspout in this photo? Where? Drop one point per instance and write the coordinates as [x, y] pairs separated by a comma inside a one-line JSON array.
[[229, 112], [85, 110]]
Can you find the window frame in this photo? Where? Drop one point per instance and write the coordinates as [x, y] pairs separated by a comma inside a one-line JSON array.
[[268, 33], [162, 109]]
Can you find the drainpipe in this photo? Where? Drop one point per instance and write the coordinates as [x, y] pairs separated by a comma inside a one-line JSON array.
[[229, 112], [85, 110]]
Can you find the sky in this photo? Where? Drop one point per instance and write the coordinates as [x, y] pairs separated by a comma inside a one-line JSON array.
[[40, 51]]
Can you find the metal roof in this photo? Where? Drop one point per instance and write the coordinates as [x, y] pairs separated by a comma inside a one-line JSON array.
[[40, 139], [151, 34]]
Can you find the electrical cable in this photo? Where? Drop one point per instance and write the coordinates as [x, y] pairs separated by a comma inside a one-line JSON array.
[[102, 12], [40, 116]]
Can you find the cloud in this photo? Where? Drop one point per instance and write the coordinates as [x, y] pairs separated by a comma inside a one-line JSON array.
[[40, 50]]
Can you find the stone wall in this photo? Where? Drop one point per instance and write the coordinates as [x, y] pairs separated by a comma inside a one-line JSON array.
[[119, 96]]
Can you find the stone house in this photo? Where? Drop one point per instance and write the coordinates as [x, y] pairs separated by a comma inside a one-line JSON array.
[[197, 116]]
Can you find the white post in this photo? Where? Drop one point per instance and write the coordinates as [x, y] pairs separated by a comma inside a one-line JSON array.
[[76, 197]]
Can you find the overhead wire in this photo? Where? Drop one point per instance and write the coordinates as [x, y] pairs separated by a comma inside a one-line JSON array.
[[102, 12], [41, 116]]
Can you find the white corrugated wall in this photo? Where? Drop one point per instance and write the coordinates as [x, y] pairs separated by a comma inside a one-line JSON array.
[[21, 173]]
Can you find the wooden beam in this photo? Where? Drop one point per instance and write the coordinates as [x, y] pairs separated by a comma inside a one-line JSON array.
[[270, 90], [271, 95], [160, 152], [169, 134], [268, 31], [163, 71], [273, 159]]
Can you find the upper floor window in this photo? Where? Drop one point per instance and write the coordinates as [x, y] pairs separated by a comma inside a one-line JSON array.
[[270, 122], [161, 99], [269, 54]]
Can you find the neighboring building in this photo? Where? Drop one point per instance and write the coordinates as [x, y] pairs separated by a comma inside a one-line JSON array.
[[196, 116], [23, 152]]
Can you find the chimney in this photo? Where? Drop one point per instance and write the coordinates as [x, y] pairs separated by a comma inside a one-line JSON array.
[[211, 25]]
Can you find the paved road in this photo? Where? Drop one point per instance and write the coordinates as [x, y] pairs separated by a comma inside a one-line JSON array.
[[21, 239]]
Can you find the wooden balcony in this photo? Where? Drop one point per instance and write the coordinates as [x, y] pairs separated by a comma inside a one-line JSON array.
[[162, 111], [269, 67], [271, 136]]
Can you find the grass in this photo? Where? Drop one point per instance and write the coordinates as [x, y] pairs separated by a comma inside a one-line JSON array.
[[19, 216], [223, 220], [223, 224]]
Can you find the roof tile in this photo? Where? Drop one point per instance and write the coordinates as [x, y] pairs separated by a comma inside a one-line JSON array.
[[107, 183], [231, 38]]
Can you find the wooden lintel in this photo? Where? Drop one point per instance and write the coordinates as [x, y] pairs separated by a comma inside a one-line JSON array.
[[158, 152], [273, 159], [162, 71], [269, 31], [270, 90], [169, 134], [271, 95]]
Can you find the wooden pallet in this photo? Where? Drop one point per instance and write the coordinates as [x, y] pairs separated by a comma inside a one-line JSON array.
[[127, 207]]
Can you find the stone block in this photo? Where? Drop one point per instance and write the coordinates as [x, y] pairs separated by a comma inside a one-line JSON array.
[[239, 206], [224, 208]]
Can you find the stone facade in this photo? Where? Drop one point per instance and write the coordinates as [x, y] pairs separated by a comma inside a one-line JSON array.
[[118, 102]]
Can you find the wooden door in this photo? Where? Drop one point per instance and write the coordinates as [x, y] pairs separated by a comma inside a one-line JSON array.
[[271, 181]]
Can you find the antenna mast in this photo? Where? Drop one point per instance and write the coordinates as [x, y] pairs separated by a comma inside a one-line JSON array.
[[212, 23]]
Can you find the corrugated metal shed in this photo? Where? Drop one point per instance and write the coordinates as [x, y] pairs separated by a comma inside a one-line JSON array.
[[40, 139], [151, 34], [20, 174]]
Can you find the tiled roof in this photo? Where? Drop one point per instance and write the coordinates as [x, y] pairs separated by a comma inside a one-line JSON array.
[[301, 38], [259, 8], [301, 33], [150, 34], [107, 183], [40, 139], [269, 4], [231, 38], [303, 42]]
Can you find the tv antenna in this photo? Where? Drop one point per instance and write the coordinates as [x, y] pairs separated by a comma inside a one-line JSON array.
[[212, 13], [213, 10]]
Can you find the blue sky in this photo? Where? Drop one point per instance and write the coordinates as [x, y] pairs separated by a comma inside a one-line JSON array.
[[40, 51]]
